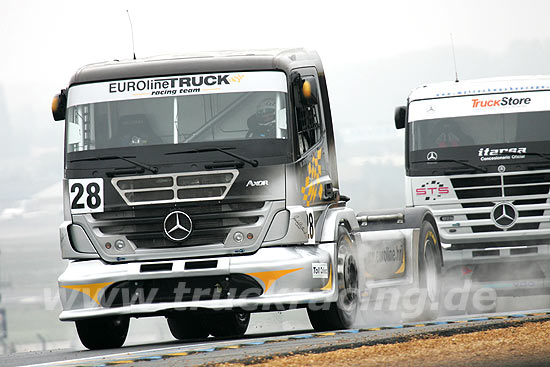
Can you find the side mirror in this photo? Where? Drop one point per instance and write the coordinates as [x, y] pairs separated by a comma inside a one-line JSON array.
[[59, 105], [309, 91], [306, 89], [400, 116]]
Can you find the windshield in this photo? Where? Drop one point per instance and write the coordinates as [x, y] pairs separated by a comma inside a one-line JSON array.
[[480, 130], [468, 132], [177, 110], [460, 121]]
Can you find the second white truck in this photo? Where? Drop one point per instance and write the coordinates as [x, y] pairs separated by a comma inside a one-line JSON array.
[[478, 155]]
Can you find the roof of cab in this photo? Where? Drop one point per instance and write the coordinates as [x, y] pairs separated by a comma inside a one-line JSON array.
[[508, 84], [203, 62]]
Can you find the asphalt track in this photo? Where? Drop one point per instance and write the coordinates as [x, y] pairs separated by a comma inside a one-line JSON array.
[[255, 347]]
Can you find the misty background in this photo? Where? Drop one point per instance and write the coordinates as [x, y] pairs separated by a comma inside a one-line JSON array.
[[374, 53]]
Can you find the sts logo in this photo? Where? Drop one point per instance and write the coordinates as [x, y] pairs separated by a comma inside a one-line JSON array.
[[432, 190]]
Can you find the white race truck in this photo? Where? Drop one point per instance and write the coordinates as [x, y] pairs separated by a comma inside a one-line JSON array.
[[477, 155], [204, 187]]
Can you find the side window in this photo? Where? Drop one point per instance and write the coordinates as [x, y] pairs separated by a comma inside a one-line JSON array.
[[307, 110]]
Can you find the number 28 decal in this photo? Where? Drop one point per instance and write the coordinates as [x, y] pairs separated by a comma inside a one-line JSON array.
[[86, 195]]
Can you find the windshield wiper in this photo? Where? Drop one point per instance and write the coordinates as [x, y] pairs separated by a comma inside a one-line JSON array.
[[149, 168], [466, 164], [538, 165], [542, 155], [252, 162]]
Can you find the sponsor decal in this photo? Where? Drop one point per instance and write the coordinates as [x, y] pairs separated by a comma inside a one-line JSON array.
[[502, 102], [312, 186], [178, 85], [386, 255], [163, 86], [389, 255], [492, 154], [476, 105], [432, 190], [300, 225], [319, 270], [257, 183]]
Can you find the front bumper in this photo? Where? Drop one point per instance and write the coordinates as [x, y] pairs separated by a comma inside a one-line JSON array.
[[285, 276]]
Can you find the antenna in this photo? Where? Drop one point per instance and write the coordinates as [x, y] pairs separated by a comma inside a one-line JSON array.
[[132, 29], [454, 57]]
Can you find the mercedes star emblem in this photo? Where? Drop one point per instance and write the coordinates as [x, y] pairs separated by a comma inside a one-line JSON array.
[[177, 226], [432, 156], [504, 215], [501, 169]]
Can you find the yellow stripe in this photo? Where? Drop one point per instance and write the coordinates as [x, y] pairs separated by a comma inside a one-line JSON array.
[[402, 267], [269, 277], [91, 290], [178, 354], [328, 286], [326, 334]]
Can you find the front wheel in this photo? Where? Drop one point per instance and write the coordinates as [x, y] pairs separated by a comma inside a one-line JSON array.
[[227, 324], [429, 263], [342, 313], [104, 332], [187, 325]]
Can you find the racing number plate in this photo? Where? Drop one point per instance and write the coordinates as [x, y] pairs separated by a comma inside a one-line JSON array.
[[86, 195]]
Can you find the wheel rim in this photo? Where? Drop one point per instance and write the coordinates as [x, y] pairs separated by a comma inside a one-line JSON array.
[[347, 280]]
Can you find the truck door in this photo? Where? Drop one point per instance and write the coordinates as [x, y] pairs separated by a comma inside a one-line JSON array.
[[313, 183]]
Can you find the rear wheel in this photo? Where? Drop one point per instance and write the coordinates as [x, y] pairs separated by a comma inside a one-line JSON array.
[[104, 332], [187, 325], [342, 313], [227, 324]]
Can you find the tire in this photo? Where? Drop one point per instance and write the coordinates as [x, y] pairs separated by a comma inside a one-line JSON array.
[[342, 313], [429, 262], [187, 326], [227, 324], [103, 333]]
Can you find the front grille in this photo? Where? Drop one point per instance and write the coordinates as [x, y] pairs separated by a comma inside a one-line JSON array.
[[175, 188], [498, 187], [144, 226], [527, 192], [516, 227]]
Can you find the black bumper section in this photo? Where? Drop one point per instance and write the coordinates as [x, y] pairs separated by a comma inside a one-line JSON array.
[[180, 290]]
